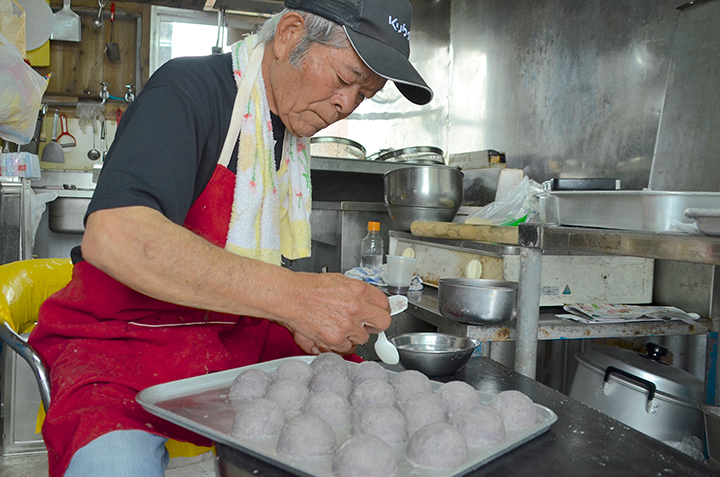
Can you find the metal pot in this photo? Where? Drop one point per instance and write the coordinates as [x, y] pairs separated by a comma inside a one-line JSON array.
[[413, 155], [641, 391], [336, 147], [477, 300]]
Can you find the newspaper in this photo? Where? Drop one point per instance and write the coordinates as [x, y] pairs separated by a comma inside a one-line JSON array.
[[609, 313]]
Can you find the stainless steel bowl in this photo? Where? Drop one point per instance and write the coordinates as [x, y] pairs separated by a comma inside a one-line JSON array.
[[403, 216], [434, 354], [424, 186], [477, 300]]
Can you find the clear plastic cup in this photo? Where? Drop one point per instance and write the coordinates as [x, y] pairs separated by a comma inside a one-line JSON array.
[[399, 274]]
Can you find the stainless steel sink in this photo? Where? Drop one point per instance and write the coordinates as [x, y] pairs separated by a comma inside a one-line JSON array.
[[65, 214]]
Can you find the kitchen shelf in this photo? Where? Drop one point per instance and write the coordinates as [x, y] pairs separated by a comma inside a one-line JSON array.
[[354, 165], [424, 305], [535, 323], [668, 246], [538, 239]]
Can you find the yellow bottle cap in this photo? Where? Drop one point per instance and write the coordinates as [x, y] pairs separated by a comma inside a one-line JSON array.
[[373, 226]]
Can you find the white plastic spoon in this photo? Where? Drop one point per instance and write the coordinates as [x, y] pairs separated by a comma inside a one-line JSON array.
[[385, 350]]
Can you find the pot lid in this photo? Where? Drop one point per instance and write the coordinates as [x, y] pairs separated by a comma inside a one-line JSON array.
[[668, 379]]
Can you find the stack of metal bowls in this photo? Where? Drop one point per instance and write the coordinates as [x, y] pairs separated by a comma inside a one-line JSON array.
[[427, 192], [477, 300]]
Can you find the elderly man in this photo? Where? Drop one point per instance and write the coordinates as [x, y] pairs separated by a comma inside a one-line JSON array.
[[205, 188]]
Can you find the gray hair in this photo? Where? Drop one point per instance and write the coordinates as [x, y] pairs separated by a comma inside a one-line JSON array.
[[317, 30]]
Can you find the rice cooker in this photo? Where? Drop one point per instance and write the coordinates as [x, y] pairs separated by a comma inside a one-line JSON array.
[[641, 391]]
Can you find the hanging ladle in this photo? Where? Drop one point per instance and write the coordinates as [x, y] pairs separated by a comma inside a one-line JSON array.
[[93, 154], [98, 22]]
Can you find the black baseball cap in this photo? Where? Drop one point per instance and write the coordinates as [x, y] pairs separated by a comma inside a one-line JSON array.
[[379, 31]]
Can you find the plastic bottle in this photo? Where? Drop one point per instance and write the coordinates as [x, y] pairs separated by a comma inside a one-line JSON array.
[[371, 247]]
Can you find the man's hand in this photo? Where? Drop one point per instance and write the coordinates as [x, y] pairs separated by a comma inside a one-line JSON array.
[[334, 312]]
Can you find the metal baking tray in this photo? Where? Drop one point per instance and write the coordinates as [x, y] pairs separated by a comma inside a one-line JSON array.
[[707, 220], [201, 404], [643, 210]]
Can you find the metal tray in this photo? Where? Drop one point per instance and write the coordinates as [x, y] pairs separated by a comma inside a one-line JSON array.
[[643, 210], [201, 404], [707, 220]]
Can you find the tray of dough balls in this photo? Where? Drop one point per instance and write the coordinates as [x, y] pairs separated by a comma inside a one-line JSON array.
[[325, 416]]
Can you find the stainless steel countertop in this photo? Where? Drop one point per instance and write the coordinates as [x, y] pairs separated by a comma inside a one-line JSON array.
[[582, 441], [553, 239]]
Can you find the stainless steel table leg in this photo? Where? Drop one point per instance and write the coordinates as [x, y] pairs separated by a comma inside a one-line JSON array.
[[528, 311]]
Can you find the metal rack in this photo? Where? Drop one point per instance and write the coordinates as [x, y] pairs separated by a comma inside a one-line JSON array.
[[539, 239], [536, 240]]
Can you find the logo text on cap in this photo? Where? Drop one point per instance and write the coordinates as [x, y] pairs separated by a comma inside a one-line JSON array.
[[398, 27]]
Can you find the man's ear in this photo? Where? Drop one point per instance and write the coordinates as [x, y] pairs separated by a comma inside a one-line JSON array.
[[289, 32]]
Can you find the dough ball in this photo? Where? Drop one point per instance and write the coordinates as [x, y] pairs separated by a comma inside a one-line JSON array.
[[331, 407], [384, 422], [250, 384], [331, 380], [410, 382], [258, 419], [438, 446], [458, 395], [364, 456], [367, 370], [326, 361], [480, 425], [289, 394], [422, 409], [295, 369], [372, 392], [306, 437], [516, 409]]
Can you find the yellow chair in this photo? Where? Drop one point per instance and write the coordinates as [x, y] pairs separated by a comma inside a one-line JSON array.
[[24, 285]]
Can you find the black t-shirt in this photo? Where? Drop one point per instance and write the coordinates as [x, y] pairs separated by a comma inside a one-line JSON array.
[[169, 140]]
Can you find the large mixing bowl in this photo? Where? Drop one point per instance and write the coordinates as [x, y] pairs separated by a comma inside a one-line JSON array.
[[403, 216], [432, 193], [424, 186], [434, 354], [477, 300]]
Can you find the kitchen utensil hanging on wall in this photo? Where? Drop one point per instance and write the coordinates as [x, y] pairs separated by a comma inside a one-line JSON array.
[[98, 22], [33, 146], [66, 24], [103, 142], [113, 50], [65, 139], [53, 151], [93, 154]]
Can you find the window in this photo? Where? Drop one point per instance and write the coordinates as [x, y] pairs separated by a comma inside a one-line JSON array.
[[176, 32]]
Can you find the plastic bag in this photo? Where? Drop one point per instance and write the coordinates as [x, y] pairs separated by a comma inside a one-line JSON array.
[[12, 24], [25, 284], [20, 164], [21, 92], [520, 205]]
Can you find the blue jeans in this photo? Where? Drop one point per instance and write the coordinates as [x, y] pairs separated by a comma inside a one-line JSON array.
[[121, 454]]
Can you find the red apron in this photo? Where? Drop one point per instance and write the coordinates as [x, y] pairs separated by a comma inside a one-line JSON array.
[[105, 342]]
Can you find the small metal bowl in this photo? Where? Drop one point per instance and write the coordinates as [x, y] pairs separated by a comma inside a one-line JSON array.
[[434, 354], [477, 300]]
